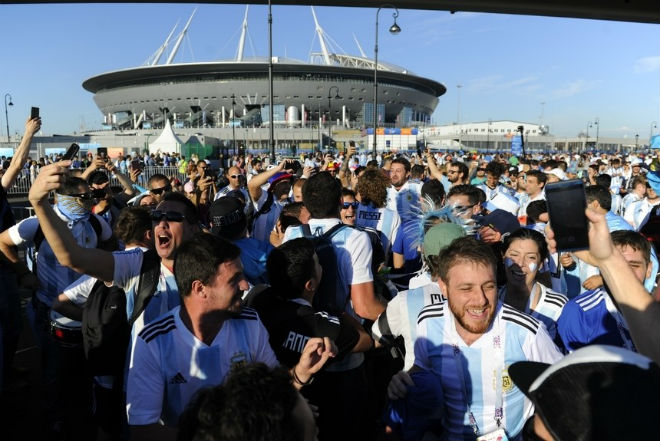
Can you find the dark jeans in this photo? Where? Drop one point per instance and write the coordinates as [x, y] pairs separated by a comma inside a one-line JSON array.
[[67, 390]]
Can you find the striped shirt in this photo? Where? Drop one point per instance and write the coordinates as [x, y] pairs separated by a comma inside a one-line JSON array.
[[547, 310], [406, 200], [400, 317], [265, 223], [384, 220], [169, 363], [513, 336]]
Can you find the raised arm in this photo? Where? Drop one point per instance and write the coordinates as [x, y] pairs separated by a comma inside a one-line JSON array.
[[254, 186], [642, 314], [433, 167], [32, 126], [124, 180], [344, 171], [93, 261]]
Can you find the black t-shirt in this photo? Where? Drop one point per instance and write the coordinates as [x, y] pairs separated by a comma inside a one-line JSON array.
[[6, 216], [291, 323]]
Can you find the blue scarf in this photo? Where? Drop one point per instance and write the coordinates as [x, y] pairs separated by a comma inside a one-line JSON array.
[[71, 209]]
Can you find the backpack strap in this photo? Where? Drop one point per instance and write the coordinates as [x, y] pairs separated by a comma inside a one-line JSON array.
[[265, 208], [149, 275], [96, 225], [38, 239]]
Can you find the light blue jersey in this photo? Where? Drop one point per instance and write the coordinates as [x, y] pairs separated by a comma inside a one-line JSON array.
[[548, 309], [513, 336], [384, 220]]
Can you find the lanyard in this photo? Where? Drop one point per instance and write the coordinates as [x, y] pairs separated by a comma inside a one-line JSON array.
[[499, 398], [620, 325]]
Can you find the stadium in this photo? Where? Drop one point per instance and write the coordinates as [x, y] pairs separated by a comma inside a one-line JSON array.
[[330, 88]]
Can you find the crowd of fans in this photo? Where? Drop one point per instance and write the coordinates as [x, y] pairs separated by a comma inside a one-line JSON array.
[[406, 296]]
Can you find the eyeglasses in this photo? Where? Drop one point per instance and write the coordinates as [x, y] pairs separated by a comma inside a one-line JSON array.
[[235, 176], [463, 208], [481, 169], [84, 196], [345, 205], [170, 216], [160, 190], [98, 193]]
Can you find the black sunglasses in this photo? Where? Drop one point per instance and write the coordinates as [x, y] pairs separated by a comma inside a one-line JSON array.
[[350, 204], [167, 188], [84, 196], [170, 216]]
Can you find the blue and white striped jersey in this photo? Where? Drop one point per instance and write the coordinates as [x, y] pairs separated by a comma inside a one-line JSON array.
[[548, 308], [513, 336], [383, 219], [406, 200], [400, 317], [169, 364], [265, 223]]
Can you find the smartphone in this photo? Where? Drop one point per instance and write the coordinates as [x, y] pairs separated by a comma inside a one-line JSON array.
[[102, 152], [566, 204], [34, 113], [71, 152], [136, 164]]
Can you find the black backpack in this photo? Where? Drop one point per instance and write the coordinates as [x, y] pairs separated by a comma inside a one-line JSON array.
[[329, 294], [105, 328]]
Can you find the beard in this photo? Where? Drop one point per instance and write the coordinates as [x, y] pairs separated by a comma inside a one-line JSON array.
[[472, 325]]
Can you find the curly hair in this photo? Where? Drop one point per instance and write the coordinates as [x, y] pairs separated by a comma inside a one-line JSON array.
[[372, 187]]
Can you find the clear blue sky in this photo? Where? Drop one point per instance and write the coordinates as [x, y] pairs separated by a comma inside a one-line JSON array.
[[507, 65]]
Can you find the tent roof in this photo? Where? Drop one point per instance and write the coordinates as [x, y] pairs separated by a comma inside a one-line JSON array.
[[167, 141]]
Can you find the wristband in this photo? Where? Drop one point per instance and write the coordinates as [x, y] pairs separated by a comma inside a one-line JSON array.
[[300, 382]]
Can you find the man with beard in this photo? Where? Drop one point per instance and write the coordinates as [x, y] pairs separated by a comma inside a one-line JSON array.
[[196, 344], [403, 195], [470, 341]]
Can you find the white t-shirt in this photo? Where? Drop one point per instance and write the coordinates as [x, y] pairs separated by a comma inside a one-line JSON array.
[[400, 317], [169, 364], [513, 336], [405, 201], [54, 277]]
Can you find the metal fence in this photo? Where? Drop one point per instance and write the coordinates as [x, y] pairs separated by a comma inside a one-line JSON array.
[[24, 180]]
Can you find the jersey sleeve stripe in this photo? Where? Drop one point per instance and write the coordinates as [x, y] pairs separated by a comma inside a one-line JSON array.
[[553, 302], [561, 300], [521, 316], [521, 323], [428, 315], [155, 326], [161, 332]]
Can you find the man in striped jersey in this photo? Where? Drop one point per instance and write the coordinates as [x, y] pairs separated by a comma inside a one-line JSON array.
[[470, 341], [594, 316], [196, 344]]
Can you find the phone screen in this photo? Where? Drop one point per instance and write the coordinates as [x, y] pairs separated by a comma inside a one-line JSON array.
[[71, 152], [102, 152], [34, 113], [566, 204]]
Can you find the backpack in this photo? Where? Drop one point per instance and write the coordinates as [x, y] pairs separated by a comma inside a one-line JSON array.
[[651, 229], [329, 294], [105, 327]]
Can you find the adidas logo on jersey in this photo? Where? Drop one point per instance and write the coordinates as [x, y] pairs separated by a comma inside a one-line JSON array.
[[178, 379]]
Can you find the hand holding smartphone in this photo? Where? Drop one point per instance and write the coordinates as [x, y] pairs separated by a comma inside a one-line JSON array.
[[34, 112], [566, 204], [71, 152]]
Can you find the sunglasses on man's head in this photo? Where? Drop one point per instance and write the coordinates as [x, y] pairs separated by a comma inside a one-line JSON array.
[[345, 205], [170, 216], [160, 190]]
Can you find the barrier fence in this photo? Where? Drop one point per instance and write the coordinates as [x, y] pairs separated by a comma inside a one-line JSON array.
[[24, 180]]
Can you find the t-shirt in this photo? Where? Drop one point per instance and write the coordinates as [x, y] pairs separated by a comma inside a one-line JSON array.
[[513, 336], [382, 219], [54, 277], [169, 364], [547, 310], [265, 223], [254, 254], [400, 317], [405, 201], [593, 319], [353, 257], [291, 322]]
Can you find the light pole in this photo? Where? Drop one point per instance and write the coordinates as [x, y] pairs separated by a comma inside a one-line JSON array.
[[636, 141], [653, 126], [490, 121], [586, 139], [597, 124], [6, 114], [271, 129], [337, 97], [233, 125], [394, 29], [458, 104], [319, 127]]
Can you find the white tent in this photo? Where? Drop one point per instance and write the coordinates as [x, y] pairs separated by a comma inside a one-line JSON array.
[[167, 141]]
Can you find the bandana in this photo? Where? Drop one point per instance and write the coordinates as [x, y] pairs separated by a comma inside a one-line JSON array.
[[69, 207]]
